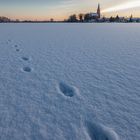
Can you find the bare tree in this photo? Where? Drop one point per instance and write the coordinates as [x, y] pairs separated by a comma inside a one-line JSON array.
[[72, 18], [81, 17]]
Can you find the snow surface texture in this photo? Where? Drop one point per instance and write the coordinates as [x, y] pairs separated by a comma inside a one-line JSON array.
[[70, 81]]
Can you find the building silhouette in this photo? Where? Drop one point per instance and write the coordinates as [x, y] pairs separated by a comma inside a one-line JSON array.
[[99, 11], [97, 15]]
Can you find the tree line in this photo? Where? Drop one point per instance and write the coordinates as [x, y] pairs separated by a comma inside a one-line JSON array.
[[77, 18], [88, 17]]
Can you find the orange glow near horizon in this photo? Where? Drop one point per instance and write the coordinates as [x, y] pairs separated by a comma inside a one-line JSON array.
[[60, 9]]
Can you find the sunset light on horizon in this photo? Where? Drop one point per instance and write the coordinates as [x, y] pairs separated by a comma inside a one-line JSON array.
[[60, 9]]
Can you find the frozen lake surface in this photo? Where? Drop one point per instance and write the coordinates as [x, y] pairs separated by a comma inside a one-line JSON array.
[[69, 81]]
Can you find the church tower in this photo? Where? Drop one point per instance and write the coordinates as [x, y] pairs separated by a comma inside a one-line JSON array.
[[99, 11]]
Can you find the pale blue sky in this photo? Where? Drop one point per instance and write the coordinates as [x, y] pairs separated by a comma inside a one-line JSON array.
[[60, 9]]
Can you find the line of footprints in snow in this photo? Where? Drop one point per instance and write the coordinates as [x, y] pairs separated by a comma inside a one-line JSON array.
[[95, 131], [25, 69], [67, 90]]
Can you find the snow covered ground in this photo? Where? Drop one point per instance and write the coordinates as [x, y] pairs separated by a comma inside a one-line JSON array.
[[69, 81]]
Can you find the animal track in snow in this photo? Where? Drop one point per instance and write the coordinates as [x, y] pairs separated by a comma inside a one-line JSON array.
[[27, 69], [100, 132], [17, 50], [25, 58], [16, 46], [67, 90]]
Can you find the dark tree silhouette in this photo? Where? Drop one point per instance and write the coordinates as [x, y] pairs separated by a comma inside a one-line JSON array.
[[4, 19], [72, 18], [117, 19], [51, 20], [87, 17], [112, 19], [131, 18], [81, 17]]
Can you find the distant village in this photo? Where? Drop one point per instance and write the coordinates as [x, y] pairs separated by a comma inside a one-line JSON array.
[[97, 17], [84, 18]]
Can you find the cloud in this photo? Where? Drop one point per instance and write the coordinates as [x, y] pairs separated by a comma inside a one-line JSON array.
[[123, 6]]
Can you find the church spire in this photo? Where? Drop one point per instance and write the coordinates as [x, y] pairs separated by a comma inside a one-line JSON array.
[[99, 11]]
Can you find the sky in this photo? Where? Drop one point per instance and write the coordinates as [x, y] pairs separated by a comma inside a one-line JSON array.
[[61, 9]]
